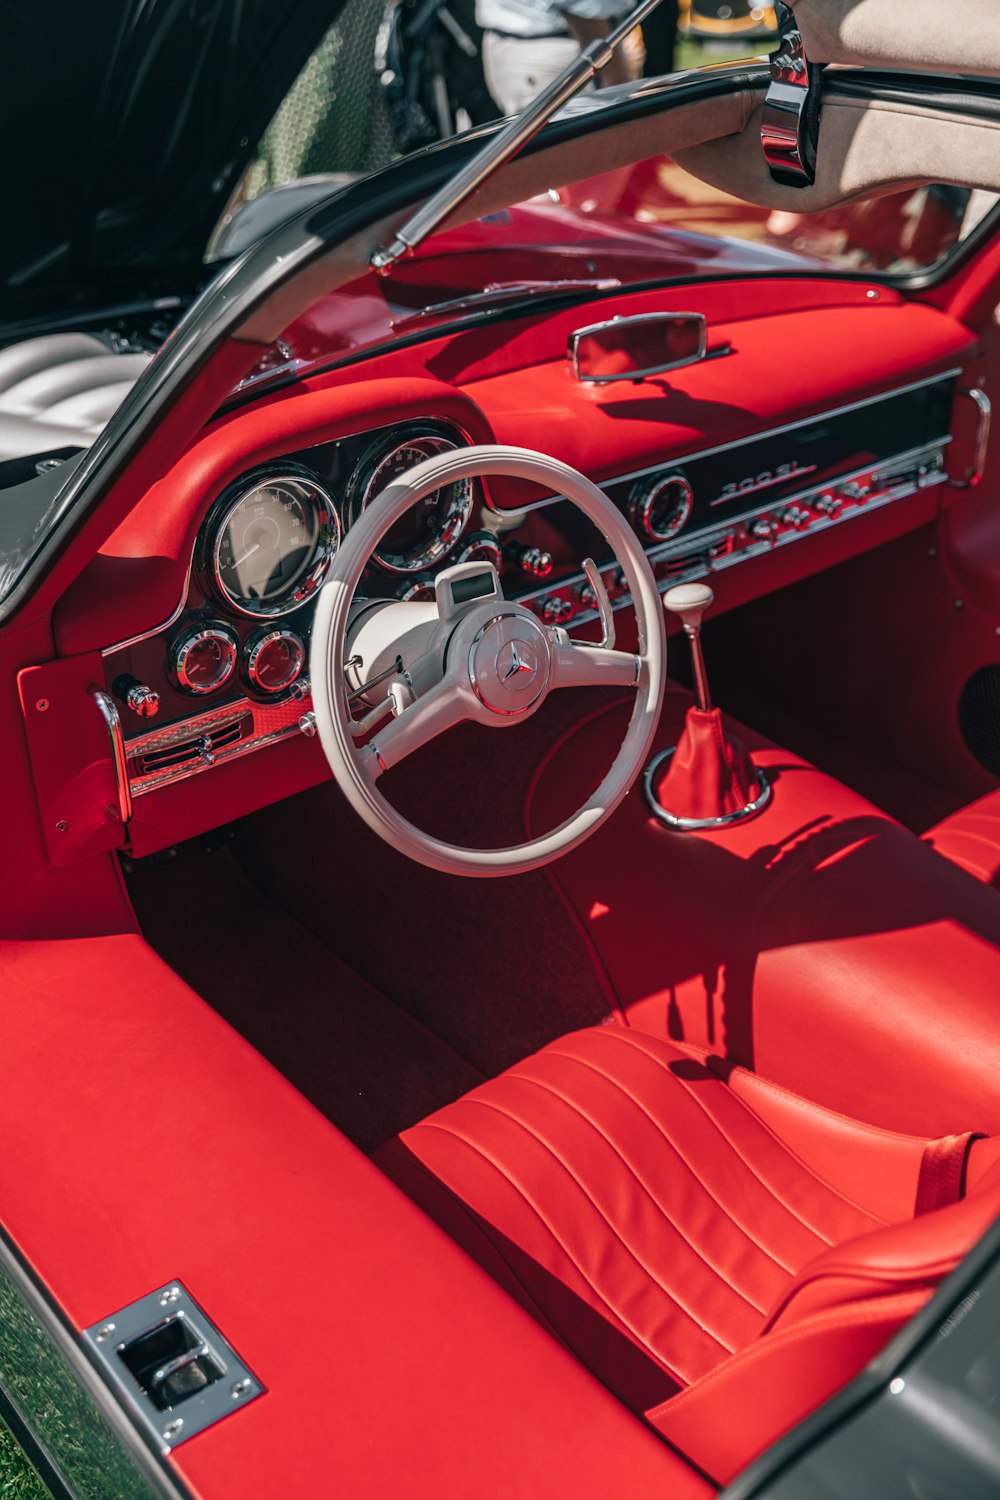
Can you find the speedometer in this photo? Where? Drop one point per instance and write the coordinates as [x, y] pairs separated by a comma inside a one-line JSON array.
[[270, 541], [430, 528]]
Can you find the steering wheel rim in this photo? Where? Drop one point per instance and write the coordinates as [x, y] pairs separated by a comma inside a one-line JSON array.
[[353, 766]]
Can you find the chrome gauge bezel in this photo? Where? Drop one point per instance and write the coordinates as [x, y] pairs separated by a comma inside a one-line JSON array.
[[642, 503], [252, 649], [309, 580], [184, 644], [364, 486]]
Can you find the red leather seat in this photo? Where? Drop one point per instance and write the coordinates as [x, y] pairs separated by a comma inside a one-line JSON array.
[[970, 838], [720, 1252]]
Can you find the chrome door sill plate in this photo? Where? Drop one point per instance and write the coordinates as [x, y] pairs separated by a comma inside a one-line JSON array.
[[170, 1365], [695, 825]]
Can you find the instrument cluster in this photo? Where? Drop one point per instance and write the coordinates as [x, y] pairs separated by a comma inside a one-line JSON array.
[[232, 664]]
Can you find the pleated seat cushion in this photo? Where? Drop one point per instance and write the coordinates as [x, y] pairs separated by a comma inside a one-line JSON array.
[[662, 1214]]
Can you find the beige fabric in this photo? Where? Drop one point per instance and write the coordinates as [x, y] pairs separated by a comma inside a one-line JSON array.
[[941, 36], [865, 149]]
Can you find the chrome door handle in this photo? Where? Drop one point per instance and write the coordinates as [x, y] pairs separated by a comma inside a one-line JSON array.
[[984, 408], [113, 724]]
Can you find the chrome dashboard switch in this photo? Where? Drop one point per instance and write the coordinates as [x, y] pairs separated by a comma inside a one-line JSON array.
[[138, 696]]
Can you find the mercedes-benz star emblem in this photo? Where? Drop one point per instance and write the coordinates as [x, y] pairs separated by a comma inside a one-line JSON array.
[[520, 661], [517, 665]]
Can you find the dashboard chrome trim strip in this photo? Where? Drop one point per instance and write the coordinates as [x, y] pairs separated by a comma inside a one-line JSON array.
[[163, 627], [701, 565], [766, 432]]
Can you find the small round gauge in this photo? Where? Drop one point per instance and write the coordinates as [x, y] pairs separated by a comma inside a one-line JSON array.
[[430, 528], [203, 658], [269, 543], [274, 659]]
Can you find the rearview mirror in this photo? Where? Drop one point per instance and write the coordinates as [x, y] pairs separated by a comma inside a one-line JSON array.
[[632, 348]]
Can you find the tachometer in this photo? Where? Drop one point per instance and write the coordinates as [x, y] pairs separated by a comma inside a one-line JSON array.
[[270, 541], [430, 528]]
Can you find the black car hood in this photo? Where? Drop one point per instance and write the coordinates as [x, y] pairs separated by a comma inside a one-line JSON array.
[[126, 125]]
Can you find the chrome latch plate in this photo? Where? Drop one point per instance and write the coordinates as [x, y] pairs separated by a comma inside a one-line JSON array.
[[170, 1365]]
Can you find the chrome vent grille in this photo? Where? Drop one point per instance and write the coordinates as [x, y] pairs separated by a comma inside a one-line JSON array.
[[169, 752]]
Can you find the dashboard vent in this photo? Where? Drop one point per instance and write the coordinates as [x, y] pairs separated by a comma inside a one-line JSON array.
[[171, 751]]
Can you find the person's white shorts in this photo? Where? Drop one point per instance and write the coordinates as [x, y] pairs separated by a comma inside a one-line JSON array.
[[518, 68]]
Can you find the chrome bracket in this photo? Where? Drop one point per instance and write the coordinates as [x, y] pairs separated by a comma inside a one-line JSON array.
[[789, 127], [984, 415], [116, 744]]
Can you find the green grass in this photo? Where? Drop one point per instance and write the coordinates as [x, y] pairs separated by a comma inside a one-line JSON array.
[[18, 1480], [690, 54]]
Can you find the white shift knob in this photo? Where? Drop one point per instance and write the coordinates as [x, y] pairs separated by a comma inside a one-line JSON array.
[[689, 601]]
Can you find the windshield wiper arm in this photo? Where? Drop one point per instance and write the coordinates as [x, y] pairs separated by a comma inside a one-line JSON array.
[[498, 294], [515, 134]]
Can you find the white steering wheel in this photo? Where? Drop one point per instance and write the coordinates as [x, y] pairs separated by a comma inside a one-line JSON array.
[[472, 655]]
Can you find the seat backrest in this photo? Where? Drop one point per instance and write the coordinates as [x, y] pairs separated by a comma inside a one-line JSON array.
[[837, 1314]]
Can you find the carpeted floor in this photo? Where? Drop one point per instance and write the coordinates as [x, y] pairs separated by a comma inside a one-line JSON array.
[[368, 1065], [383, 990]]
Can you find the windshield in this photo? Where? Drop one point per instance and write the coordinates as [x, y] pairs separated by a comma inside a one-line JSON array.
[[648, 224]]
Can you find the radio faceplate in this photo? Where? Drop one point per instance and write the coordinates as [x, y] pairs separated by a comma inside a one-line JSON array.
[[715, 509]]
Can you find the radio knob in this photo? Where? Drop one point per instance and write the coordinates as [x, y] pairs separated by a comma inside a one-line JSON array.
[[764, 530], [794, 515], [855, 491], [828, 505], [658, 508]]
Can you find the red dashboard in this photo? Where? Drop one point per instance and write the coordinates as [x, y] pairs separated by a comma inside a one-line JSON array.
[[819, 403]]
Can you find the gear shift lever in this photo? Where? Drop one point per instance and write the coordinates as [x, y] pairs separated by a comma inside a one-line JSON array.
[[708, 779], [689, 601]]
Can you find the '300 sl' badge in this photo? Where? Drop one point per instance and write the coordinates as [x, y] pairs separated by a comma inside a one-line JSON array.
[[764, 481]]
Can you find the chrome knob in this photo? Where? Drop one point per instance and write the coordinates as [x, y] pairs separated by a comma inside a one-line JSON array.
[[828, 505], [534, 561], [855, 491], [764, 530], [794, 515], [556, 611], [143, 700]]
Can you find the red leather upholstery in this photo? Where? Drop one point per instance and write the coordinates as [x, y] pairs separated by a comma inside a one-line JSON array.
[[710, 774], [970, 838], [722, 1253]]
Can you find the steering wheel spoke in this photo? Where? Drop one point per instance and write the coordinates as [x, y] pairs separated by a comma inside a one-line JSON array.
[[440, 708], [581, 665]]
